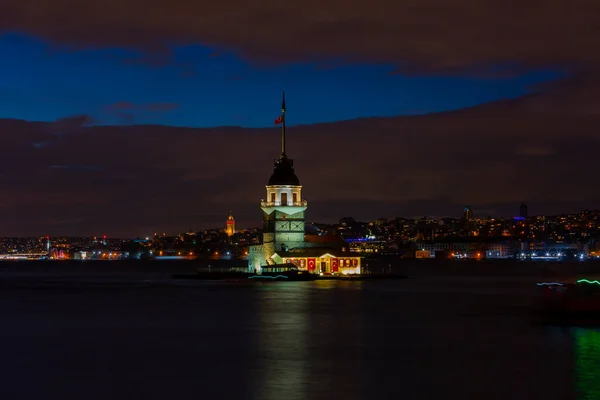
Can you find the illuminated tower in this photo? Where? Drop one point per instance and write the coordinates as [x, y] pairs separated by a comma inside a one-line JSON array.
[[48, 244], [283, 210], [230, 225], [283, 219]]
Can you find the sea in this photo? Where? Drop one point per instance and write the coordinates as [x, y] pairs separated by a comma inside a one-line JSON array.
[[455, 331]]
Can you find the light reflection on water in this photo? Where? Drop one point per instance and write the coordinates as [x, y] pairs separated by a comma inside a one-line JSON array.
[[413, 339], [587, 362], [306, 345], [282, 343]]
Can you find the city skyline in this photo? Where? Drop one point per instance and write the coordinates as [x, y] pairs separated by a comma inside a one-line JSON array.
[[231, 226], [162, 121]]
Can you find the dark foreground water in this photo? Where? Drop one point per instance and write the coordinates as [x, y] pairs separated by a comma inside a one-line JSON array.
[[425, 338]]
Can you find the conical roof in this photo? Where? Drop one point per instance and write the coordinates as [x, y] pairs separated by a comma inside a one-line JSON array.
[[283, 173]]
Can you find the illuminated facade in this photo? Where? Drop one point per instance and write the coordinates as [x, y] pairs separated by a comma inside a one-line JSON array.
[[284, 239], [230, 225]]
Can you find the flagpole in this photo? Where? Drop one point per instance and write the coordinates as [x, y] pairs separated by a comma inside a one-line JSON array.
[[283, 126]]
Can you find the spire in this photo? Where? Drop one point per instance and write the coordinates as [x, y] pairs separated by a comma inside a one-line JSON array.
[[283, 102], [283, 126]]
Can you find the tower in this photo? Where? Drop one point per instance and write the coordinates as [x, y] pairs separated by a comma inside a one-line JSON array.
[[283, 209], [284, 239], [230, 225]]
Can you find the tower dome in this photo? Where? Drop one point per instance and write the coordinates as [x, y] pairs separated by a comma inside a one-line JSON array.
[[283, 173]]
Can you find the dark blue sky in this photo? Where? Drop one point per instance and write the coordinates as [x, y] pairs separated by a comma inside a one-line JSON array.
[[202, 87]]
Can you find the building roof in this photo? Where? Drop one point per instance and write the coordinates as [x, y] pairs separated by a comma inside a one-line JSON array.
[[283, 173], [315, 252]]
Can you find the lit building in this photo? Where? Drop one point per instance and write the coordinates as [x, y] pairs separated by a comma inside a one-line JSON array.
[[284, 239], [468, 214], [467, 222], [230, 225]]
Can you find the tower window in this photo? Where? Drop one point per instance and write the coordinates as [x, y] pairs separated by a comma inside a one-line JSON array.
[[272, 197], [295, 197], [284, 199]]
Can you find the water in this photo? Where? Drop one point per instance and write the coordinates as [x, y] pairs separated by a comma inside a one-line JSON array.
[[425, 338]]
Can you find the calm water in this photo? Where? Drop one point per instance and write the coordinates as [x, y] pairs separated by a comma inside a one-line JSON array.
[[426, 338]]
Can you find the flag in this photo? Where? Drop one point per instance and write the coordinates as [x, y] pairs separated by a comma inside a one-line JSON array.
[[279, 120], [334, 265], [311, 264]]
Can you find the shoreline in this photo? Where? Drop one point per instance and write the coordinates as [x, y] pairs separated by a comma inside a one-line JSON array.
[[73, 271]]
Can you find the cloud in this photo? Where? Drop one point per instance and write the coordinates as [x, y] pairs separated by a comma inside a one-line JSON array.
[[126, 112], [418, 35], [148, 107], [70, 124], [134, 180]]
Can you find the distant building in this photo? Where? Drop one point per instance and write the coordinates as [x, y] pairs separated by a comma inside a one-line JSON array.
[[284, 239], [523, 212], [230, 225], [467, 222], [501, 250], [468, 214]]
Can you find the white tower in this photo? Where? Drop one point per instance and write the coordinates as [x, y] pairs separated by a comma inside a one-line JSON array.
[[283, 209]]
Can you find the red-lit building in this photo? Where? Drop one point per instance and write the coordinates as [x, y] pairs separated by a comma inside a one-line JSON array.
[[328, 254]]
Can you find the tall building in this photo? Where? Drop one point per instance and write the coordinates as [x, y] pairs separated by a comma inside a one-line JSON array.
[[523, 211], [468, 214], [466, 221], [230, 225], [284, 238]]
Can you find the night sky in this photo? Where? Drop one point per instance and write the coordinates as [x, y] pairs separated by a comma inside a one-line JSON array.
[[131, 117]]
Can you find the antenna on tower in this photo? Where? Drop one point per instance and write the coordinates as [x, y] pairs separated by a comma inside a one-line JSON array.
[[283, 125]]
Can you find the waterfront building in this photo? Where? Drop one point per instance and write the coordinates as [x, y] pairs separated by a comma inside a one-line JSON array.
[[284, 237]]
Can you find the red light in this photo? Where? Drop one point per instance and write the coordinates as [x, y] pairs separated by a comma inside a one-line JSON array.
[[104, 236]]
